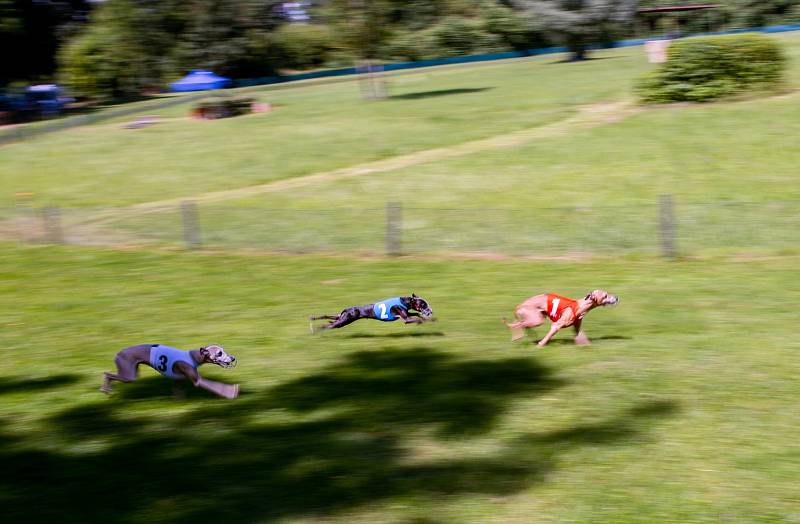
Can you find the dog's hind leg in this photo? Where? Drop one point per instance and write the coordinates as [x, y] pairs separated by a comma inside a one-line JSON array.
[[127, 371], [528, 320], [348, 316], [324, 317]]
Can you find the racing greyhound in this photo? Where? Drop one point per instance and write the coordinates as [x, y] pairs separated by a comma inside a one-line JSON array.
[[387, 310], [562, 312], [173, 363]]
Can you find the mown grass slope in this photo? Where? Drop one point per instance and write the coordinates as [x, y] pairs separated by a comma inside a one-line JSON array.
[[683, 409]]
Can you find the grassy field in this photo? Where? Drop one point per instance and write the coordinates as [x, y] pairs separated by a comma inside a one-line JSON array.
[[313, 128], [683, 409], [520, 157], [323, 127]]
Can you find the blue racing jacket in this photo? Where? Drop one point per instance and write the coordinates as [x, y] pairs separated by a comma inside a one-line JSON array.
[[163, 358], [383, 309]]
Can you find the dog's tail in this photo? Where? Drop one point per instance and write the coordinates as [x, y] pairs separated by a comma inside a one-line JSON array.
[[514, 325]]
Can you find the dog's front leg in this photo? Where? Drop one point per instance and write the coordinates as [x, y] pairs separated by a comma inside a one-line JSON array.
[[580, 337], [553, 330], [565, 320], [218, 388], [410, 317]]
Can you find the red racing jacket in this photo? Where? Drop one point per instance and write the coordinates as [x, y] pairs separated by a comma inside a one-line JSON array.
[[556, 305]]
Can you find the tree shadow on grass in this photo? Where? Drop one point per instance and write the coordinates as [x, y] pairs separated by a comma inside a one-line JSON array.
[[404, 334], [331, 441], [158, 388], [28, 385], [439, 92], [571, 342]]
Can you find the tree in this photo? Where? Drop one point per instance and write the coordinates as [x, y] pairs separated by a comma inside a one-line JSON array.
[[122, 52], [31, 33], [101, 62], [578, 23], [133, 46], [364, 29], [757, 13], [230, 37]]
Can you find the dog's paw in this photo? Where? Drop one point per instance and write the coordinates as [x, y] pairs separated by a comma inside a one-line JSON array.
[[582, 340]]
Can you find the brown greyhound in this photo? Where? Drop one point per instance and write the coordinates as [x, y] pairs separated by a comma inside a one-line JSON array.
[[562, 312], [173, 363]]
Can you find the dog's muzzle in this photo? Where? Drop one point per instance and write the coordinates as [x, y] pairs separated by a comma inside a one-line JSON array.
[[226, 365]]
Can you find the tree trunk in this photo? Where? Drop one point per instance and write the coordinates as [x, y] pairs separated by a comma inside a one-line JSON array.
[[578, 50]]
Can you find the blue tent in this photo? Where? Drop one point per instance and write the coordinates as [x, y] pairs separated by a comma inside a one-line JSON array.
[[200, 80]]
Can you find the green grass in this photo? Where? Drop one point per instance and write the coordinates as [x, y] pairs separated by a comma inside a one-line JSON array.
[[588, 190], [319, 127], [314, 128], [592, 191], [683, 409]]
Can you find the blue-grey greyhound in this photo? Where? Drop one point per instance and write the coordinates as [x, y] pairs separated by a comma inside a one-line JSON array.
[[173, 363]]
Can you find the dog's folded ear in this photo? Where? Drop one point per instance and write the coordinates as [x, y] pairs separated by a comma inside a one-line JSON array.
[[204, 351], [413, 295], [587, 297]]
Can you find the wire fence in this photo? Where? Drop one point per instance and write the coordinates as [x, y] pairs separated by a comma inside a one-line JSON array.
[[664, 227]]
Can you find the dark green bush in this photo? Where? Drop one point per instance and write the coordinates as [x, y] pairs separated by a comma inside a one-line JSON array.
[[453, 36], [416, 45], [456, 36], [702, 69], [303, 46], [511, 28]]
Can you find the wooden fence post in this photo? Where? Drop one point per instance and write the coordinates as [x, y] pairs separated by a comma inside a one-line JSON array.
[[191, 225], [51, 222], [666, 219], [394, 222]]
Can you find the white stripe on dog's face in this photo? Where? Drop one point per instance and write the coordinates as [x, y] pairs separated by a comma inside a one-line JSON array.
[[218, 356], [603, 298]]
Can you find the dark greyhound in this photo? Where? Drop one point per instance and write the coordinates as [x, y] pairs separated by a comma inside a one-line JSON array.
[[387, 310]]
